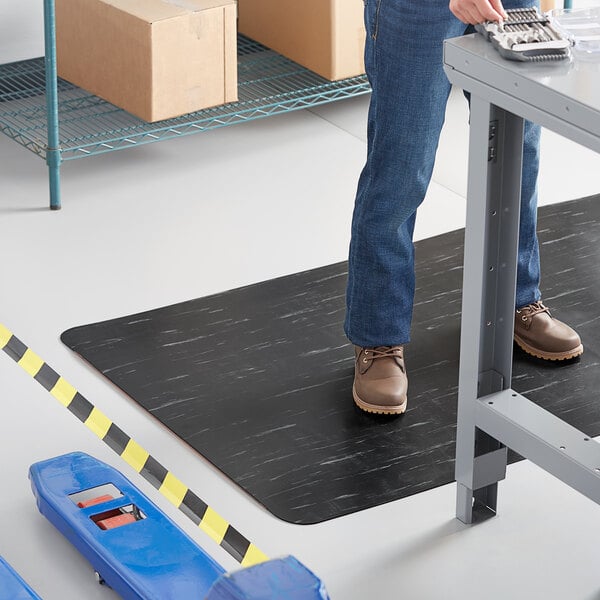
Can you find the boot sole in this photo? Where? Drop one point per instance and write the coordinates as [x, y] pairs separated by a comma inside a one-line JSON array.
[[376, 409], [573, 353]]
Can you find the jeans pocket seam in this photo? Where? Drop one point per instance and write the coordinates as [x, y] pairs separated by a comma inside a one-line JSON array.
[[375, 27]]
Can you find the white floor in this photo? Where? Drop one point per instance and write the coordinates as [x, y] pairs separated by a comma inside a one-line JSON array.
[[168, 222]]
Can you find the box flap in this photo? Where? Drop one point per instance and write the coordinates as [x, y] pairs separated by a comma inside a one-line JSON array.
[[158, 10], [203, 4], [200, 4]]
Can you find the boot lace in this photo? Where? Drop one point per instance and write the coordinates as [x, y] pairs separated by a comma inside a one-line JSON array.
[[384, 352], [530, 310]]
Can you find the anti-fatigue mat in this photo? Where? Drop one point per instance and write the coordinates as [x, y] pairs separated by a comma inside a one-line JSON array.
[[258, 379]]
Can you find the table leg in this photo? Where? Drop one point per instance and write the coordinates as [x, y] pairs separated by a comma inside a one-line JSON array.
[[491, 243]]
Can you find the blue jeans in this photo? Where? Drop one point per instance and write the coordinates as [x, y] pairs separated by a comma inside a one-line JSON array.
[[410, 90]]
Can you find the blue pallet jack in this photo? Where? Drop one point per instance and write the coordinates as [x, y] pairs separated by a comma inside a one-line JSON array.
[[138, 551], [12, 587]]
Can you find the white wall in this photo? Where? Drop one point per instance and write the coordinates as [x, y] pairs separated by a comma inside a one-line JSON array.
[[21, 29]]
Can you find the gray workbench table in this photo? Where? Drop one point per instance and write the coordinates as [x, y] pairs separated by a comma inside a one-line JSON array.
[[564, 97]]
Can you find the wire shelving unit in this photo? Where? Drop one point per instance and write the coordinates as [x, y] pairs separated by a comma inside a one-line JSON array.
[[58, 121]]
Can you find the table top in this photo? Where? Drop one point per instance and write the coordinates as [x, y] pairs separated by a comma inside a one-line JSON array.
[[547, 92]]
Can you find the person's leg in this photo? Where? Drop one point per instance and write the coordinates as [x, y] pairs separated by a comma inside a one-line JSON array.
[[528, 266], [404, 62], [536, 331], [405, 65]]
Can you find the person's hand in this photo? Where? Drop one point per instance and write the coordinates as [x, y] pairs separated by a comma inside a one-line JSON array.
[[477, 11]]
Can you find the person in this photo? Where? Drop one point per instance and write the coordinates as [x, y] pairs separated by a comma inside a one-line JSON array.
[[403, 58]]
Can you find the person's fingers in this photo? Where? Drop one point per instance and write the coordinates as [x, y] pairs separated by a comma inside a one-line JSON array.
[[477, 11], [487, 10], [497, 6]]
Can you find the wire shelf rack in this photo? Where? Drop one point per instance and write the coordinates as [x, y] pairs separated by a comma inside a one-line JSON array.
[[269, 84]]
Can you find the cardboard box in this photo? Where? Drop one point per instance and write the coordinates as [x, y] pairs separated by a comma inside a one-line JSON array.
[[156, 59], [326, 36]]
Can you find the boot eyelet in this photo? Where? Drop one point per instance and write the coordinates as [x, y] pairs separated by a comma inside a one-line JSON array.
[[365, 360], [524, 319], [366, 352]]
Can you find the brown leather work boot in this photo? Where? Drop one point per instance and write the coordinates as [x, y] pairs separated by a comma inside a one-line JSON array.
[[541, 335], [380, 382]]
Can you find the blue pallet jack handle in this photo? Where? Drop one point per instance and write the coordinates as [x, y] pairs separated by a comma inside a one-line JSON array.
[[278, 579], [152, 558]]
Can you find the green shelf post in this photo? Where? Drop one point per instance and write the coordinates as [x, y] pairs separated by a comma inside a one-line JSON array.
[[53, 152]]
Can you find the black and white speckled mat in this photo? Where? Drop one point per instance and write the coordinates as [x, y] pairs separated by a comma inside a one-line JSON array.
[[258, 379]]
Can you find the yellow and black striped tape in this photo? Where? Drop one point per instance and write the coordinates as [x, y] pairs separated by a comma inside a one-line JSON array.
[[132, 453]]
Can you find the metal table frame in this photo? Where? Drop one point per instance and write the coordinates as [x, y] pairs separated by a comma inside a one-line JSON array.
[[492, 416]]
